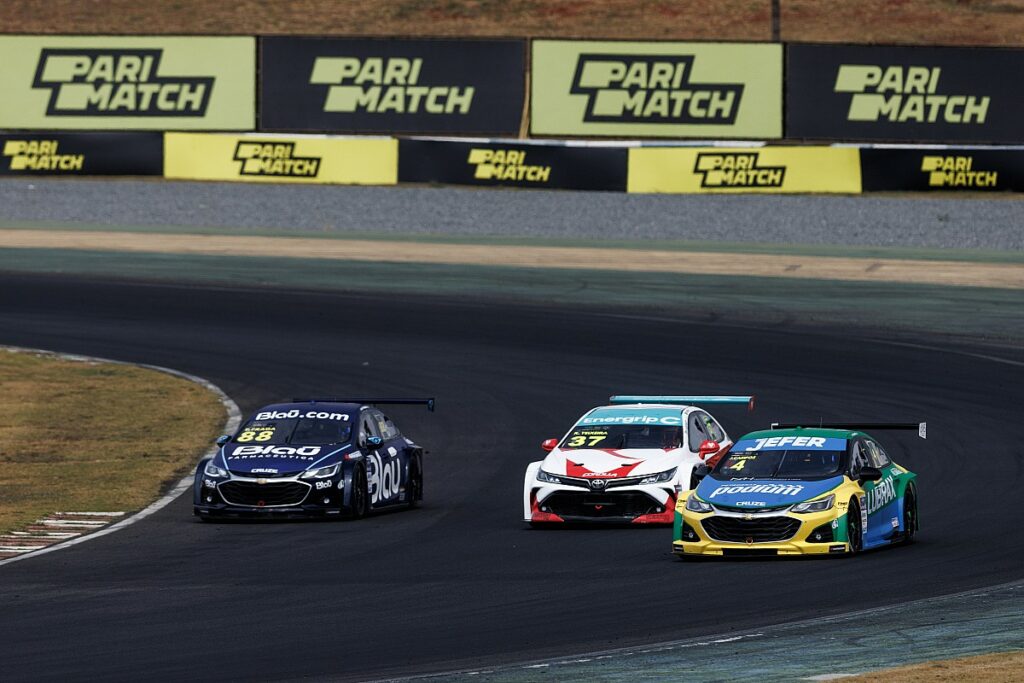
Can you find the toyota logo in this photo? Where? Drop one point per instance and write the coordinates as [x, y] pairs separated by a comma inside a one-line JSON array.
[[598, 484]]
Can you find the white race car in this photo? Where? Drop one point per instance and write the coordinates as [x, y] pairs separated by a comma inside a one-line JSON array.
[[626, 462]]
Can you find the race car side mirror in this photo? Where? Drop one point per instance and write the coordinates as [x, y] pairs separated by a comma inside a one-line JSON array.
[[223, 439], [707, 448], [869, 474], [700, 471], [549, 444]]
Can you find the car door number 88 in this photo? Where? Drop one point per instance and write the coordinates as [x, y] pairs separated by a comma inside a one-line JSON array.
[[383, 479]]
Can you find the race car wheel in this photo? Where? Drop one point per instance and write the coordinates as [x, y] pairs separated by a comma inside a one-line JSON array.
[[415, 489], [909, 516], [360, 494], [853, 528]]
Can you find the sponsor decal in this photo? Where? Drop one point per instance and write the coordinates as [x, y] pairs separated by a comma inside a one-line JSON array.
[[769, 489], [40, 155], [736, 169], [385, 84], [118, 82], [280, 452], [209, 483], [791, 442], [837, 549], [506, 164], [383, 479], [883, 493], [750, 503], [320, 485], [895, 523], [901, 94], [956, 171], [649, 88], [293, 413], [274, 159], [263, 470], [633, 420]]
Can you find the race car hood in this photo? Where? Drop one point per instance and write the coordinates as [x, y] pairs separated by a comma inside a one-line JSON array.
[[256, 460], [614, 464], [762, 493]]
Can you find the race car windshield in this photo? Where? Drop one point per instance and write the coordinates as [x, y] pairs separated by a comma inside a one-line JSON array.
[[623, 436], [296, 431], [780, 464]]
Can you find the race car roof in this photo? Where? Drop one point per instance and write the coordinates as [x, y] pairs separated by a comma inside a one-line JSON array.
[[802, 431], [633, 414], [304, 407]]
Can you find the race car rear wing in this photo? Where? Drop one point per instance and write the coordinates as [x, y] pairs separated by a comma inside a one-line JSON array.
[[428, 402], [686, 400], [921, 427]]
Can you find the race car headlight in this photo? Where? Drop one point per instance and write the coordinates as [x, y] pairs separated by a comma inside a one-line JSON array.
[[549, 478], [695, 504], [212, 470], [815, 505], [659, 477], [321, 472]]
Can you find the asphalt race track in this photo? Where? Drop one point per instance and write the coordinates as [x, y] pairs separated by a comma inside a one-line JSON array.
[[462, 581]]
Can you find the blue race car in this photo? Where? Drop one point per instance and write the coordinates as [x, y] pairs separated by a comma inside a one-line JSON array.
[[312, 457]]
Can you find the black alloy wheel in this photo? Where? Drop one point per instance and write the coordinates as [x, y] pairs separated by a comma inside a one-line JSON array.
[[853, 528], [360, 495], [909, 516], [414, 491]]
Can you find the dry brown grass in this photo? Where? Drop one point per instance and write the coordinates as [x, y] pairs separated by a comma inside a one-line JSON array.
[[1006, 667], [953, 22], [94, 436]]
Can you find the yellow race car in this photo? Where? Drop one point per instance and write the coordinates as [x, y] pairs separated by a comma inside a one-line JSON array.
[[792, 490]]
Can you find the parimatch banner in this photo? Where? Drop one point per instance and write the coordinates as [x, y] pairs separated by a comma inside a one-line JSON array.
[[281, 158], [127, 82], [512, 164], [392, 86], [60, 153], [695, 90], [762, 169], [948, 168], [910, 94]]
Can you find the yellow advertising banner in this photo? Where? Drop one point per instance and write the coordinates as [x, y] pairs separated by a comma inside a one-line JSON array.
[[632, 89], [762, 169], [127, 82], [281, 159]]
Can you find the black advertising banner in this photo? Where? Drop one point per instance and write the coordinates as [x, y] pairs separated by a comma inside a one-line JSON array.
[[910, 94], [82, 153], [512, 164], [884, 170], [392, 86]]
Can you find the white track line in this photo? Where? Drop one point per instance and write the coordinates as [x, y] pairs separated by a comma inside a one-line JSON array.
[[234, 418]]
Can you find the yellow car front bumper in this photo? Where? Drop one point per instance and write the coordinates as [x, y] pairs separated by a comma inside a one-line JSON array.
[[820, 533]]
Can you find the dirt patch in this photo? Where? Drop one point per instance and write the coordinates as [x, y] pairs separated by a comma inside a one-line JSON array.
[[81, 435], [958, 273], [998, 668], [950, 22]]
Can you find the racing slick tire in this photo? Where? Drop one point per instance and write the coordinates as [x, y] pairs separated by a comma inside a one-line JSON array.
[[854, 533], [909, 515], [415, 491], [360, 494]]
